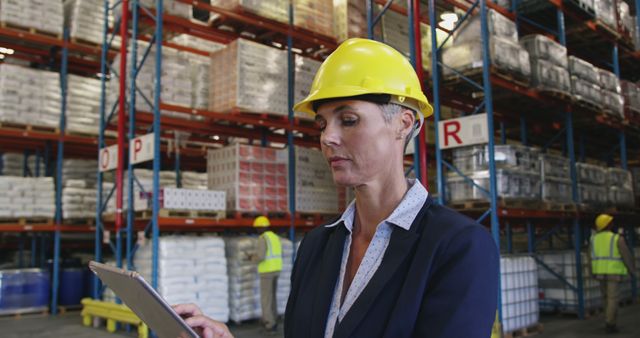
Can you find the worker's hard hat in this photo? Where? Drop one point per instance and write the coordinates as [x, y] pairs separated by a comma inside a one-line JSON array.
[[602, 221], [261, 222], [364, 67]]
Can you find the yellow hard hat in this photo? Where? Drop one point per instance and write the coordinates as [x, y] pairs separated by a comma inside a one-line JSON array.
[[603, 220], [261, 222], [363, 67]]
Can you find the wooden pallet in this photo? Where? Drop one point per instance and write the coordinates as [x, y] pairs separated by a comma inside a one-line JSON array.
[[476, 75], [62, 309], [603, 26], [558, 94], [589, 105], [552, 206], [31, 30], [525, 332], [19, 313], [27, 221], [29, 127], [80, 221], [148, 214]]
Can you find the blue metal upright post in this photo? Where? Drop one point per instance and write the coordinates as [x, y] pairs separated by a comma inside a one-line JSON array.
[[577, 230], [100, 176], [531, 237], [488, 102], [155, 231], [63, 122], [290, 146], [135, 10], [413, 52], [435, 77]]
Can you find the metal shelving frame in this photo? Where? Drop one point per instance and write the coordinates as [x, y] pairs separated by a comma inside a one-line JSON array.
[[262, 126], [496, 212]]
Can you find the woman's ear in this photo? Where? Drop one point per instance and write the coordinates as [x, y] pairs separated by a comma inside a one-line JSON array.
[[408, 121]]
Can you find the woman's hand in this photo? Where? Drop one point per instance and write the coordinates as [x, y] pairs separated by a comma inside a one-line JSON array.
[[205, 326]]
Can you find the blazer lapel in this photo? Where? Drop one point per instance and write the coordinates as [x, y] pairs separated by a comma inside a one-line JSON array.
[[329, 272], [400, 244]]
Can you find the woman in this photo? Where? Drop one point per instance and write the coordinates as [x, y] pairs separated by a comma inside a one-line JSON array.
[[395, 264]]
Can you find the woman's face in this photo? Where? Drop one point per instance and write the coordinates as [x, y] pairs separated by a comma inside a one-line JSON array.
[[357, 142]]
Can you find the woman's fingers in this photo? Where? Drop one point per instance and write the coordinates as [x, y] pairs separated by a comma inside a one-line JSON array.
[[210, 328], [187, 310]]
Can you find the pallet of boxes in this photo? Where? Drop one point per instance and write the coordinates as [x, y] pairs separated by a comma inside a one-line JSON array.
[[508, 59], [517, 177]]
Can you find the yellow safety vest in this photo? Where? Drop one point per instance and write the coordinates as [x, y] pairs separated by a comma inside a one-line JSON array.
[[273, 259], [605, 255]]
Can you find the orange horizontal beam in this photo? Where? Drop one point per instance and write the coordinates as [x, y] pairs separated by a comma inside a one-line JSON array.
[[254, 119], [45, 228]]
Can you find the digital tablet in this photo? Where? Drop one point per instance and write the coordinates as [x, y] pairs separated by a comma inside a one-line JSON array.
[[142, 299]]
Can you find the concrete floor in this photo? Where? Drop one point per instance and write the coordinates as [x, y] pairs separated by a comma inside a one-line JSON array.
[[69, 325]]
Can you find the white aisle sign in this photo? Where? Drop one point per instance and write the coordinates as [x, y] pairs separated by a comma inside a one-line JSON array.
[[463, 131], [141, 149], [108, 158]]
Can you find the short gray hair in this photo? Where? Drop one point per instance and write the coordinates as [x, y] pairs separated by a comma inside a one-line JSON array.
[[389, 111]]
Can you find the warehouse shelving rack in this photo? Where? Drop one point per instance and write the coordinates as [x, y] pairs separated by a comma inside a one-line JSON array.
[[565, 115], [54, 52], [259, 127]]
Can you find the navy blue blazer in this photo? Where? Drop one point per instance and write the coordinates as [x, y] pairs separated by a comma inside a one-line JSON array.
[[439, 279]]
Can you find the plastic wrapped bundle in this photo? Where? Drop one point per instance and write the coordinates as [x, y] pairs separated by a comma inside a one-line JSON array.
[[46, 16], [306, 69], [609, 81], [557, 190], [511, 184], [248, 76], [78, 200], [199, 67], [505, 55], [605, 11], [83, 102], [395, 33], [586, 91], [13, 164], [591, 173], [316, 16], [631, 94], [191, 269], [195, 42], [254, 178], [243, 278], [85, 19], [613, 103], [554, 166], [498, 24], [626, 19], [542, 48], [619, 177], [476, 158], [29, 96], [547, 76], [593, 194], [27, 197], [583, 70], [194, 180], [349, 19], [621, 197], [316, 191]]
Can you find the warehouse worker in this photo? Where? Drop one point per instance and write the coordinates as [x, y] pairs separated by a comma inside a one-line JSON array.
[[395, 263], [269, 259], [611, 260]]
